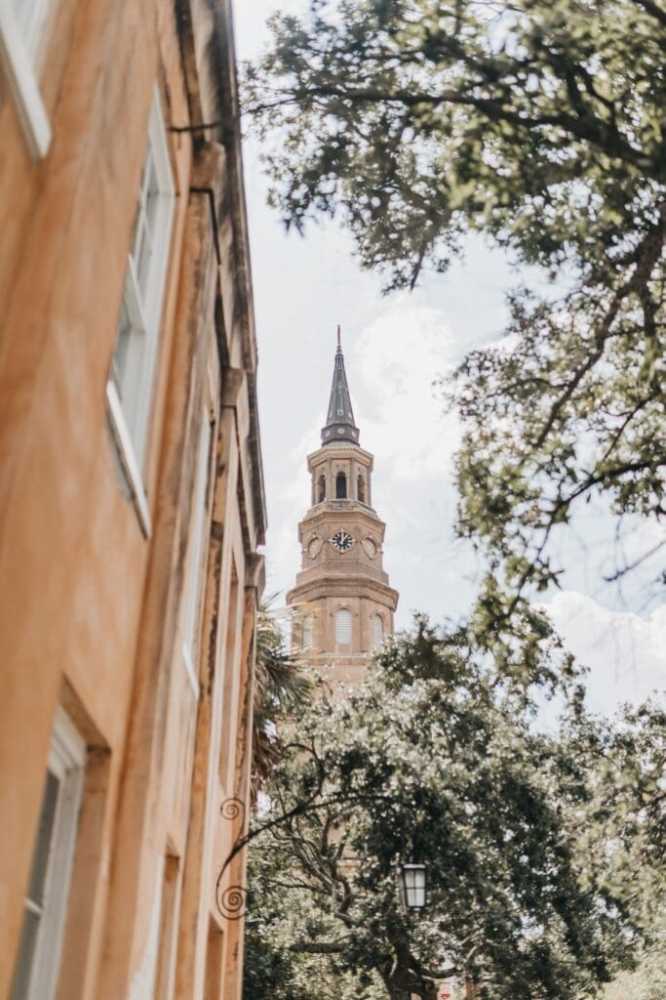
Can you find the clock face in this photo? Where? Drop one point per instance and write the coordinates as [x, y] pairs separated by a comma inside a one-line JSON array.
[[342, 541]]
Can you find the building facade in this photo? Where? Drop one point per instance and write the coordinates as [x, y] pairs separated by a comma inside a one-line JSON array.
[[343, 602], [131, 501]]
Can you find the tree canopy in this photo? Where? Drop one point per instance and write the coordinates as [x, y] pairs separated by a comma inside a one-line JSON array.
[[529, 838], [539, 123]]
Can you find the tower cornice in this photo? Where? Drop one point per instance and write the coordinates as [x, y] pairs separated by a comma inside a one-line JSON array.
[[340, 510], [339, 586], [341, 450]]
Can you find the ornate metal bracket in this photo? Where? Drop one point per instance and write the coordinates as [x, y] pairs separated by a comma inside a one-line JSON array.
[[232, 900]]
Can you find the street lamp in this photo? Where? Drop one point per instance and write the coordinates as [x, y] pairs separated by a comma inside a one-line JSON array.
[[413, 885]]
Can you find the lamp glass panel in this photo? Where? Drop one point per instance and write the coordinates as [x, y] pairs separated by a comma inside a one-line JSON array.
[[414, 880]]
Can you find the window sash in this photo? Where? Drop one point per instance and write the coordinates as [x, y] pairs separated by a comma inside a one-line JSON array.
[[377, 631], [343, 627], [38, 960], [17, 61], [132, 374], [195, 576], [31, 18], [308, 632]]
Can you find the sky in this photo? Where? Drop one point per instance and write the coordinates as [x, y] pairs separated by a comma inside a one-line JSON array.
[[395, 349]]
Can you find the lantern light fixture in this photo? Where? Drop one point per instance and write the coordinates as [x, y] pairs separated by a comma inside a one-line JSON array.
[[413, 885]]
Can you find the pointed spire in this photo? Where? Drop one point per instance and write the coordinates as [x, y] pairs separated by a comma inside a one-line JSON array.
[[340, 424]]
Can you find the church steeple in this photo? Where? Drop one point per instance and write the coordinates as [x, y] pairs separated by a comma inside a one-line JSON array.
[[340, 423], [343, 601]]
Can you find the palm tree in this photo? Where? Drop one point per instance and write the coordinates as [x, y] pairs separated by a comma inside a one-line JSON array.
[[281, 688]]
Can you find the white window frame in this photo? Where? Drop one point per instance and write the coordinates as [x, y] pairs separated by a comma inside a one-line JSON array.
[[196, 549], [67, 759], [18, 57], [130, 418], [348, 627]]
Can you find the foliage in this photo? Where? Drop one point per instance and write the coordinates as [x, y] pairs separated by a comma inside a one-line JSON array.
[[648, 982], [529, 838], [540, 124], [281, 689]]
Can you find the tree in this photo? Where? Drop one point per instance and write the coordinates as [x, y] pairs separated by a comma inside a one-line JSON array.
[[648, 982], [539, 123], [281, 689], [436, 758]]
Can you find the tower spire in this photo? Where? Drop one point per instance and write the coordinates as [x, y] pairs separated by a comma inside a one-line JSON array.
[[340, 424]]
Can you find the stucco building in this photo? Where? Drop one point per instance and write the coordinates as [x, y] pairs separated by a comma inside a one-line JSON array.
[[343, 601], [131, 501]]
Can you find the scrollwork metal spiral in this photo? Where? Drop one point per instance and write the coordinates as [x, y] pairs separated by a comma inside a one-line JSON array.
[[232, 809], [232, 901]]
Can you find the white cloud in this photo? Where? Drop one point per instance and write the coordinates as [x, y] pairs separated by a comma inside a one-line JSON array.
[[394, 362], [626, 653]]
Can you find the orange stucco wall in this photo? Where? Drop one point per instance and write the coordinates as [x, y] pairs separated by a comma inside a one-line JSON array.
[[90, 608]]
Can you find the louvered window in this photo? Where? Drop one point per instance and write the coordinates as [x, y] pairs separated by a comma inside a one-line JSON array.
[[307, 632], [343, 627], [377, 631]]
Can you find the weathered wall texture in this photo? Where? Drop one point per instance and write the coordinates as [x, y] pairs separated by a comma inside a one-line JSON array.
[[91, 610]]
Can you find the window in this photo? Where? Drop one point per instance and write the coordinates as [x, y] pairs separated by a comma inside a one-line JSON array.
[[36, 972], [377, 623], [193, 577], [360, 489], [340, 486], [22, 25], [307, 632], [343, 627], [129, 389], [321, 494]]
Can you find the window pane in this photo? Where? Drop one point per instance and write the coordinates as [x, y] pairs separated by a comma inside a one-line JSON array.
[[31, 17], [24, 11], [40, 863], [307, 633], [151, 197], [26, 956], [120, 355], [142, 258], [343, 628], [196, 548], [40, 859], [377, 631]]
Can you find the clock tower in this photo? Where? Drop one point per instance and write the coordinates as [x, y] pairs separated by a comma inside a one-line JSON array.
[[342, 595]]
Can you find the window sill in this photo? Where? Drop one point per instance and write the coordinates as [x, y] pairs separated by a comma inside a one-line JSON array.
[[23, 84], [127, 456]]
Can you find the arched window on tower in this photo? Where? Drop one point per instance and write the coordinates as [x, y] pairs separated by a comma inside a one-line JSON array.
[[377, 623], [360, 489], [307, 633], [343, 627], [321, 489], [340, 486]]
